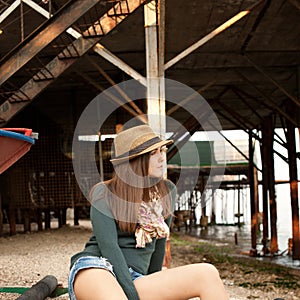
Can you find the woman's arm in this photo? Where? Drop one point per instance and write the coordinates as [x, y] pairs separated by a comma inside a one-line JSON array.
[[105, 231]]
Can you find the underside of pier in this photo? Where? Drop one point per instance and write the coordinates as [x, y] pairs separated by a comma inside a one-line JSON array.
[[181, 66]]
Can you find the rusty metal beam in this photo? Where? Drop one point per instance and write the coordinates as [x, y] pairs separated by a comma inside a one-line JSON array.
[[253, 183], [264, 154], [116, 61], [43, 37], [111, 96], [269, 128], [120, 91], [191, 125], [240, 96], [241, 125], [236, 115], [230, 120], [98, 48], [188, 99], [269, 195], [212, 34], [294, 99], [296, 3], [272, 105], [57, 66], [291, 141], [9, 10]]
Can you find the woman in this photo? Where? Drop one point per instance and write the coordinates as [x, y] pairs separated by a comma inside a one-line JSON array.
[[131, 215]]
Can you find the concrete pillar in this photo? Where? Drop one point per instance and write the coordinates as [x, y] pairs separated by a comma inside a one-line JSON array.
[[154, 36]]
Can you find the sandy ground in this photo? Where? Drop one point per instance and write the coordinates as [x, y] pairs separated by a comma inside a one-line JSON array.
[[27, 258]]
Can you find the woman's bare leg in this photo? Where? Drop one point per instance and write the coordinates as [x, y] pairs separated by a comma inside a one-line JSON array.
[[181, 283], [97, 284]]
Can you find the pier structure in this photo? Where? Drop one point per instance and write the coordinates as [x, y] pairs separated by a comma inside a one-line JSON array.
[[240, 57]]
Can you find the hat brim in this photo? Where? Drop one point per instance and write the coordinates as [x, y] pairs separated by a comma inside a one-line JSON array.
[[116, 161]]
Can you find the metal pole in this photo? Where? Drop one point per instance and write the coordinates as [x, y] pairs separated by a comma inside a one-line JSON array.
[[253, 198], [291, 141], [271, 186], [211, 35], [264, 155]]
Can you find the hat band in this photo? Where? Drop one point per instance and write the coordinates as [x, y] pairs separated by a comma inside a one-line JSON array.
[[140, 147]]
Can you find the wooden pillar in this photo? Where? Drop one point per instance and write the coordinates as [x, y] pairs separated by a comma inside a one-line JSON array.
[[47, 219], [239, 204], [201, 186], [271, 187], [213, 204], [253, 197], [76, 215], [59, 217], [12, 217], [64, 216], [291, 143], [269, 200], [39, 218], [264, 154], [27, 222]]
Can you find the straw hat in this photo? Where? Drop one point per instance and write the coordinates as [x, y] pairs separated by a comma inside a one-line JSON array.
[[136, 141]]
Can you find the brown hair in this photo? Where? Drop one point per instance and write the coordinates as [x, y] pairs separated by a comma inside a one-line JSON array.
[[126, 196]]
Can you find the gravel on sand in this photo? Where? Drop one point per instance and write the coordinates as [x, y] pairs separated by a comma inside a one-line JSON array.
[[28, 257]]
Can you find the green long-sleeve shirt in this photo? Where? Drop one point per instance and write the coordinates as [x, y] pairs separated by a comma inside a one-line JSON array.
[[119, 247]]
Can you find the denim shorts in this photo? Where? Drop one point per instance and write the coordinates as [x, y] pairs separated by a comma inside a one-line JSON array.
[[134, 275], [87, 262]]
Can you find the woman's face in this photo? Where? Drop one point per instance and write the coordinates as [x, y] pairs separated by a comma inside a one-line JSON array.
[[156, 162]]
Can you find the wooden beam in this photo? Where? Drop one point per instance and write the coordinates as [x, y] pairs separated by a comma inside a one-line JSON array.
[[9, 10], [211, 35], [285, 92], [43, 37], [239, 95], [98, 48], [111, 96], [57, 66], [188, 99], [273, 106], [190, 126], [253, 183], [235, 114], [106, 54], [120, 91], [296, 3]]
